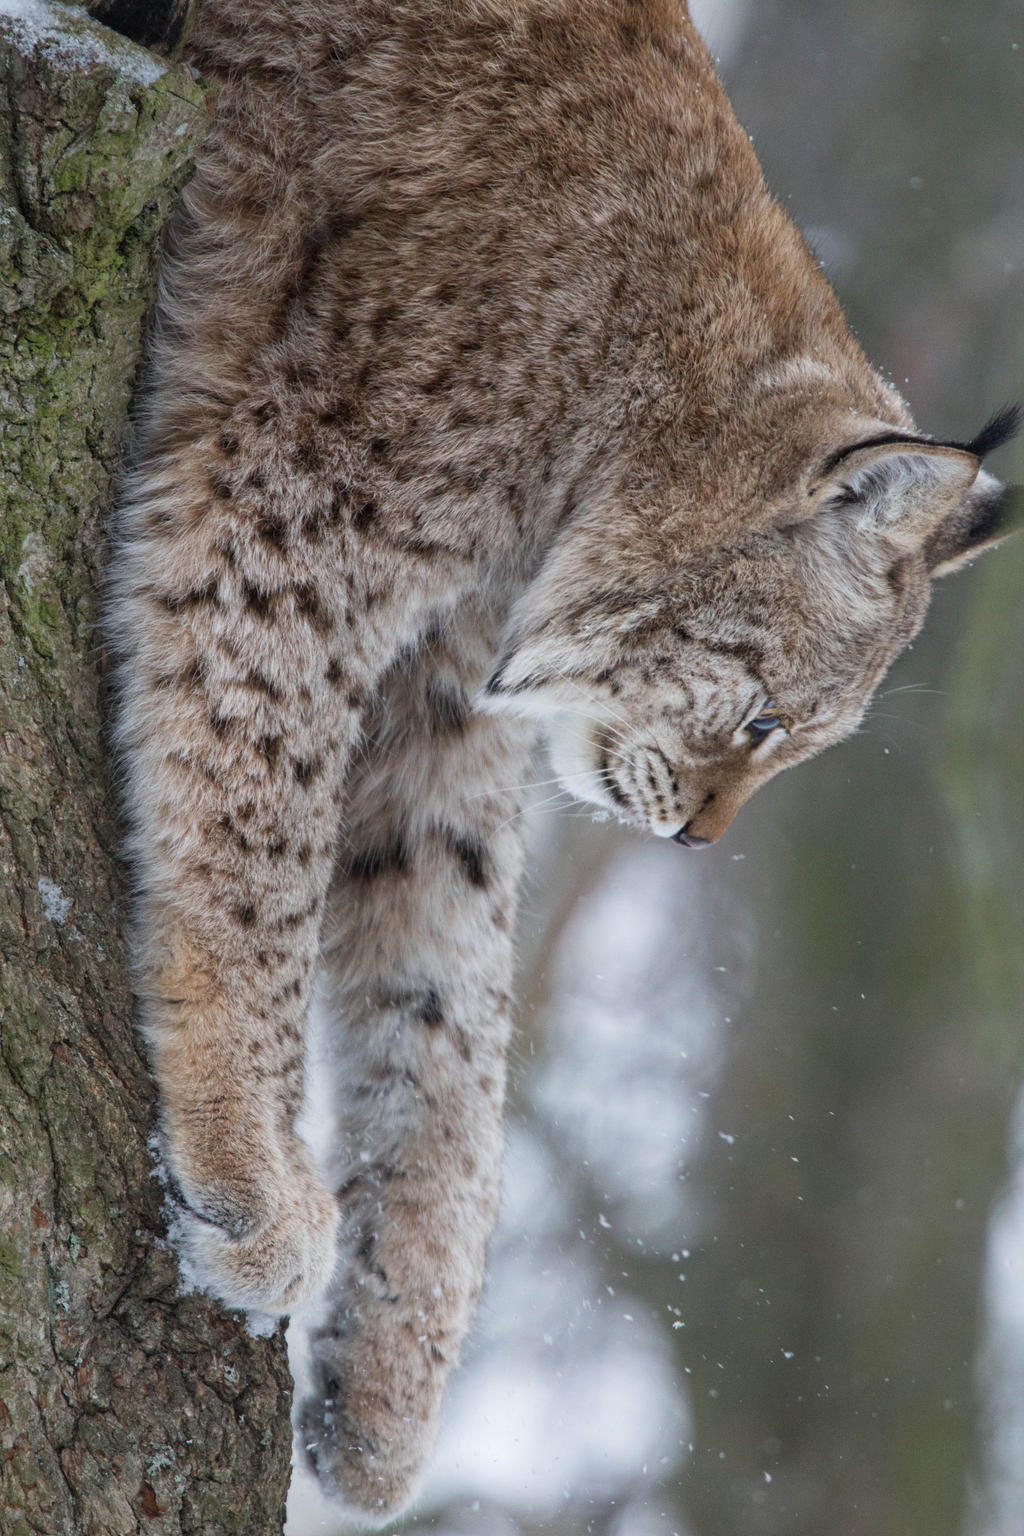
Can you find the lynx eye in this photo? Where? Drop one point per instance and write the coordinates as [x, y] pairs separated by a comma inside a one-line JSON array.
[[763, 724]]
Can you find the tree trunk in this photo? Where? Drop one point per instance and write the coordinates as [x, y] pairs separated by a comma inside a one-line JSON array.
[[124, 1407]]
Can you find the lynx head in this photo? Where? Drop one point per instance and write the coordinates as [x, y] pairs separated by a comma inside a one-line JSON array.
[[675, 675]]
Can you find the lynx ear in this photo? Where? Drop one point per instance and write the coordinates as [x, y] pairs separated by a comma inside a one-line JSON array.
[[988, 513], [900, 488]]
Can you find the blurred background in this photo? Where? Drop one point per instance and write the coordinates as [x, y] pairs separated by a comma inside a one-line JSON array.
[[760, 1266]]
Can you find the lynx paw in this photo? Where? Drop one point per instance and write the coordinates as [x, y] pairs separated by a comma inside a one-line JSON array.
[[273, 1258], [356, 1470], [367, 1438]]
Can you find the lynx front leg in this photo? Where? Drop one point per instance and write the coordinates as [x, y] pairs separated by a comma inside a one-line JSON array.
[[239, 705], [420, 968]]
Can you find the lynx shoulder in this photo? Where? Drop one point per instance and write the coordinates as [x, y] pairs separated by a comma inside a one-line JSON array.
[[491, 393]]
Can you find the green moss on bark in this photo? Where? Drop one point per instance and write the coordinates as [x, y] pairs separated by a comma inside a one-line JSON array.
[[123, 1406]]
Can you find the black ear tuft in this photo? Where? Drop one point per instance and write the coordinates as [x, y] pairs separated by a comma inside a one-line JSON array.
[[1004, 425]]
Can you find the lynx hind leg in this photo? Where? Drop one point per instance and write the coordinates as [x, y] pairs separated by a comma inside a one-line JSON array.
[[236, 717], [419, 966]]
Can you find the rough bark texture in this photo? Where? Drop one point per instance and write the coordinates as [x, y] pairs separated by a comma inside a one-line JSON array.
[[124, 1407], [160, 24]]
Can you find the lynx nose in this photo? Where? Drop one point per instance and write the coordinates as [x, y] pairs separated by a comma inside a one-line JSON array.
[[690, 839]]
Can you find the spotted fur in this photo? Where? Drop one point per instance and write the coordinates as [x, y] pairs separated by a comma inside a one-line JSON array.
[[489, 388]]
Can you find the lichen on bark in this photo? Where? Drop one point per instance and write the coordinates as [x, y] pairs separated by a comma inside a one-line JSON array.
[[124, 1406]]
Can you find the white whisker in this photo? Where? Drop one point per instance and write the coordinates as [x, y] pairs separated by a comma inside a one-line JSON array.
[[507, 789], [597, 703], [940, 693], [539, 805]]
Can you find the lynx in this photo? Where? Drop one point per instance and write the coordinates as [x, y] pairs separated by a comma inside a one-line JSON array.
[[490, 393]]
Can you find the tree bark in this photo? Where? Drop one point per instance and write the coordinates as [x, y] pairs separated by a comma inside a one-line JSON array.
[[160, 24], [124, 1406]]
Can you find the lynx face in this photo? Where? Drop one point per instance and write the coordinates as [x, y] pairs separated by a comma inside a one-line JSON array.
[[671, 700]]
